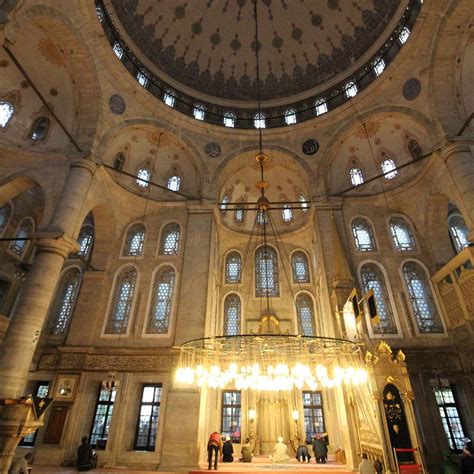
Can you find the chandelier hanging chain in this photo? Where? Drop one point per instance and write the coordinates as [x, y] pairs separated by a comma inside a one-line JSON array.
[[257, 64]]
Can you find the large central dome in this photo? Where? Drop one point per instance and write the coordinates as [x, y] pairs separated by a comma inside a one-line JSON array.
[[208, 46]]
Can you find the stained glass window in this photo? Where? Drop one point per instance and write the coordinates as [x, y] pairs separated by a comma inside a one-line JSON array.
[[458, 231], [102, 418], [266, 272], [6, 113], [149, 413], [232, 315], [299, 263], [134, 241], [160, 313], [389, 168], [5, 214], [356, 175], [23, 231], [143, 177], [290, 117], [40, 128], [421, 298], [372, 278], [450, 417], [320, 107], [286, 213], [233, 267], [401, 234], [65, 300], [259, 120], [122, 300], [85, 241], [313, 414], [174, 183], [229, 119], [119, 161], [305, 313], [231, 417], [363, 235], [169, 244]]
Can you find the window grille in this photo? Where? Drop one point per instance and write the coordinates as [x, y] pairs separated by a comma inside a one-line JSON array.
[[290, 117], [148, 415], [373, 279], [350, 89], [231, 416], [421, 299], [403, 36], [320, 107], [305, 312], [135, 240], [174, 183], [223, 205], [232, 308], [389, 168], [363, 235], [450, 417], [286, 213], [266, 272], [40, 128], [170, 239], [233, 268], [458, 231], [66, 297], [262, 217], [379, 66], [85, 241], [160, 314], [401, 234], [6, 113], [299, 263], [142, 79], [239, 214], [313, 414], [100, 13], [118, 50], [259, 120], [304, 205], [23, 231], [104, 408], [356, 175], [199, 112], [415, 149], [122, 300], [229, 119], [169, 98], [143, 177]]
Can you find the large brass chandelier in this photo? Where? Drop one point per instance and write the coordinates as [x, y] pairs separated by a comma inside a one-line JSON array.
[[269, 360]]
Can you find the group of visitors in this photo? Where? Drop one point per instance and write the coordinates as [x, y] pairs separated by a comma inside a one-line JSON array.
[[320, 451]]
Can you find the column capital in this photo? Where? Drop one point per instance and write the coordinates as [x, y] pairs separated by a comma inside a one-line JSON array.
[[56, 242], [451, 148], [82, 160]]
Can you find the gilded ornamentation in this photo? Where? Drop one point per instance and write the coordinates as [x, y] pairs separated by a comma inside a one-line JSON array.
[[369, 129], [383, 349], [51, 52], [400, 357]]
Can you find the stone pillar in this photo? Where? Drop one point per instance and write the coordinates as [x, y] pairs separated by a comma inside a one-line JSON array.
[[52, 248], [460, 163]]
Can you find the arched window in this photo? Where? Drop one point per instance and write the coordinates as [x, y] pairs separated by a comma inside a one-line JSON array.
[[356, 175], [262, 217], [122, 301], [6, 113], [239, 214], [199, 112], [286, 213], [169, 98], [401, 234], [389, 168], [169, 244], [304, 204], [118, 50], [232, 315], [415, 149], [458, 231], [23, 231], [421, 298], [134, 241], [305, 312], [5, 214], [174, 183], [363, 235], [162, 298], [350, 89], [372, 278], [259, 120], [64, 302], [320, 107], [233, 267], [143, 178], [40, 128], [223, 204], [299, 263], [379, 65], [119, 161], [142, 79], [85, 241], [403, 36], [266, 272], [290, 116], [229, 119]]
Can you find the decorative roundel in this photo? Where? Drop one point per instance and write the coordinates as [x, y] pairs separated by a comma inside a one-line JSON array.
[[213, 150], [411, 88], [117, 104], [310, 147]]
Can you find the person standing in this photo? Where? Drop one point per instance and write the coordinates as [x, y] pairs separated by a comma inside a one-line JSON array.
[[86, 457], [214, 447], [320, 449], [366, 467]]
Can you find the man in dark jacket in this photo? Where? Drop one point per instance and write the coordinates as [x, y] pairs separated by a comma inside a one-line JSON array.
[[227, 451], [320, 449], [86, 457], [302, 453]]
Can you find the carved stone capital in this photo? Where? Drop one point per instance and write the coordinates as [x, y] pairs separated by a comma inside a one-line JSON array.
[[56, 242]]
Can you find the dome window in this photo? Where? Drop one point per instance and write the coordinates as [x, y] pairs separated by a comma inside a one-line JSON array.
[[223, 205], [304, 203], [39, 129], [143, 177], [229, 119], [356, 176], [290, 117], [199, 112], [259, 120], [389, 168], [142, 79], [169, 98], [118, 50], [100, 13], [286, 213], [350, 89], [379, 66], [320, 107], [239, 215], [174, 183], [6, 113], [119, 161], [403, 36]]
